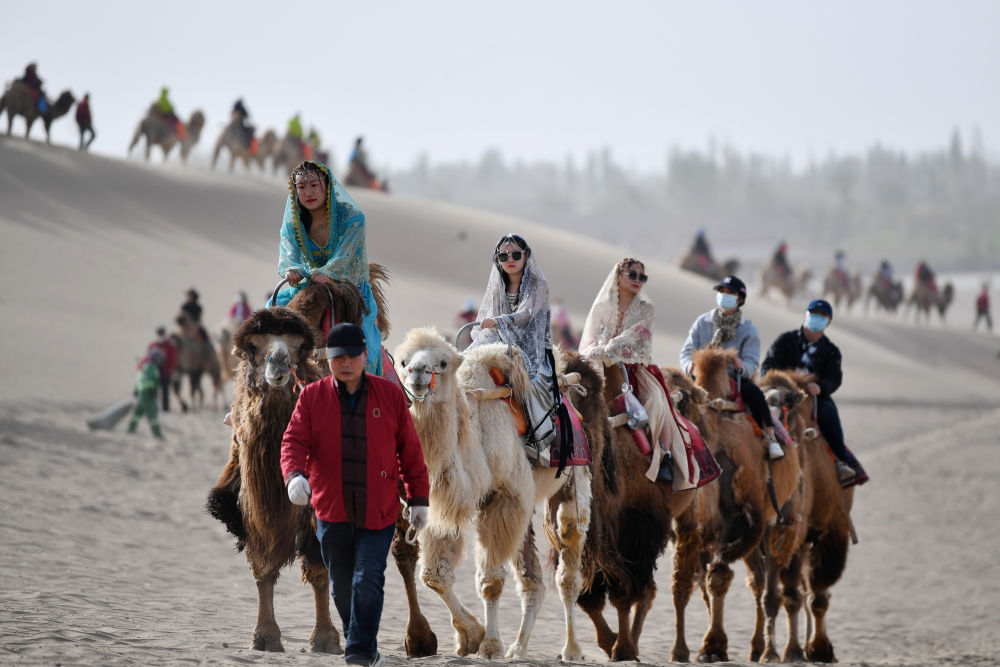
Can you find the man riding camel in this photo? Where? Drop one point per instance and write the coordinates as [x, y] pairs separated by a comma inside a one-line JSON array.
[[34, 84], [359, 158], [241, 114], [839, 269], [780, 261], [166, 109], [925, 276]]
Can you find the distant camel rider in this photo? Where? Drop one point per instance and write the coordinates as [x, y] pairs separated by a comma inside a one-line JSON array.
[[702, 253], [166, 109], [241, 114], [359, 158], [34, 84], [84, 122], [313, 139], [925, 276], [780, 260], [841, 272], [885, 273], [295, 127], [192, 308]]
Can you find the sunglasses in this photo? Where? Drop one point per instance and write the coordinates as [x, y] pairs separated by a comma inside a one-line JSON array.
[[635, 275], [516, 255]]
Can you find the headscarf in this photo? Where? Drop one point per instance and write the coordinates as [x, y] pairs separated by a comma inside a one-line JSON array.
[[529, 326], [344, 257], [634, 343]]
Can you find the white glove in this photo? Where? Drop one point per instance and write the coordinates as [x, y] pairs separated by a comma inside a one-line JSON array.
[[299, 490], [418, 517]]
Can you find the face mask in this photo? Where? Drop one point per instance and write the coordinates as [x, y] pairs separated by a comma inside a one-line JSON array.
[[726, 301], [816, 322]]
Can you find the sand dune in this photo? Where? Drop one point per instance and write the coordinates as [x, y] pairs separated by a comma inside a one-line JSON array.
[[106, 556]]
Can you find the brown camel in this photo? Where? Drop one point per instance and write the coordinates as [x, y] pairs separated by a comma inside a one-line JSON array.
[[923, 299], [849, 292], [887, 296], [819, 551], [234, 138], [196, 356], [630, 523], [358, 177], [729, 519], [275, 347], [160, 131], [286, 154], [708, 267], [789, 285], [17, 100], [267, 144], [311, 303]]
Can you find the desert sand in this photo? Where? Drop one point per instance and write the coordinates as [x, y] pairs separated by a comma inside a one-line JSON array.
[[107, 556]]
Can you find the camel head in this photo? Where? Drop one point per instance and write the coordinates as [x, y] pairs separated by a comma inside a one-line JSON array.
[[272, 343], [711, 370], [479, 361], [426, 362], [786, 394], [684, 394]]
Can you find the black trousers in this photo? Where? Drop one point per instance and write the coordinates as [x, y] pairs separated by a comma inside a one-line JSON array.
[[754, 399]]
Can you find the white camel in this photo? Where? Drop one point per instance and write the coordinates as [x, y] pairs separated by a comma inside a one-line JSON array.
[[480, 474]]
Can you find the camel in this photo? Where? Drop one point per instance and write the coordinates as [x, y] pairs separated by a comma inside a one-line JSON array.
[[728, 520], [195, 357], [630, 524], [312, 303], [228, 361], [886, 296], [358, 177], [266, 146], [286, 154], [696, 263], [849, 292], [17, 100], [234, 138], [160, 131], [923, 298], [249, 498], [820, 551], [480, 474], [789, 285]]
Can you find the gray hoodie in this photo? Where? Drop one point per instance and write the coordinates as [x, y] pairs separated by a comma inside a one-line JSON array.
[[747, 342]]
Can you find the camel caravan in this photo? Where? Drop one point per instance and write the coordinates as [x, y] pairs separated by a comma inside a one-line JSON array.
[[606, 523]]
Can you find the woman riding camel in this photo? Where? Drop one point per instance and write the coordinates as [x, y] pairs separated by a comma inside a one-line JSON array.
[[619, 329], [516, 305], [323, 239]]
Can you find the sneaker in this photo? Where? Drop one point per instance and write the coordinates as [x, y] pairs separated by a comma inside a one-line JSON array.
[[666, 471], [378, 661], [845, 473], [358, 659], [774, 451]]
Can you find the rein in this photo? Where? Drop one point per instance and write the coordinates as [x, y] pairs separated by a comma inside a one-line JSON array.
[[429, 390]]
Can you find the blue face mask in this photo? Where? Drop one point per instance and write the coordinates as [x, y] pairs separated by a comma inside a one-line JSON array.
[[726, 301], [816, 322]]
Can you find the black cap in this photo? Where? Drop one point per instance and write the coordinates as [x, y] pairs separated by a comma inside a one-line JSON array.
[[345, 339], [734, 284], [820, 306]]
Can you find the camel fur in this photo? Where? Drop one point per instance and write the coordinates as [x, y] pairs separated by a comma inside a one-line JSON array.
[[195, 357], [17, 100], [887, 297], [710, 269], [159, 131], [250, 497], [923, 299], [820, 550], [631, 522], [234, 139], [838, 291], [728, 520], [771, 277]]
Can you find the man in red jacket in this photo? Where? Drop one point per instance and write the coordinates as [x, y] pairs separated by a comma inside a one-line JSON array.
[[349, 439]]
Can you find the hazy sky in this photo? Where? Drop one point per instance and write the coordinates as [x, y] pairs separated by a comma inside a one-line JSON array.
[[536, 79]]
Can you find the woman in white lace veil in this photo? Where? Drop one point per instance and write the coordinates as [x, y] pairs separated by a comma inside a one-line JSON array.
[[619, 329]]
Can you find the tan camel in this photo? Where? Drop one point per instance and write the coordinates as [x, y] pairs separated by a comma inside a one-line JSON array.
[[728, 519], [266, 147], [886, 296], [489, 483], [286, 154], [771, 277], [630, 524], [228, 361], [17, 100], [160, 131], [234, 139], [838, 290], [821, 554], [275, 346], [196, 356], [696, 263], [312, 303], [357, 177], [923, 299]]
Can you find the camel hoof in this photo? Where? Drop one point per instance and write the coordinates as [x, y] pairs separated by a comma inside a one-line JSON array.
[[770, 656], [680, 656], [271, 643], [325, 641], [794, 655], [571, 653], [821, 653], [491, 649], [516, 650], [712, 657], [421, 646], [622, 654]]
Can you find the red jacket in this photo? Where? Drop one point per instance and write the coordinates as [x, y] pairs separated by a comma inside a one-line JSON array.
[[312, 445]]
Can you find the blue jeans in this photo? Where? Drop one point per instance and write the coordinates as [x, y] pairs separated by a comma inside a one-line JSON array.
[[356, 558]]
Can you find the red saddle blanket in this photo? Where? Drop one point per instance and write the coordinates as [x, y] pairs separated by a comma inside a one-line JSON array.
[[580, 455]]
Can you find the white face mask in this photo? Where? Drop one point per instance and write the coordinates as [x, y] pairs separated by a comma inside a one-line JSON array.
[[816, 322], [726, 301]]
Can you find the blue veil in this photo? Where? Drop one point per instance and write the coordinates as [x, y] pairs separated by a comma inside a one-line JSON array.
[[343, 258]]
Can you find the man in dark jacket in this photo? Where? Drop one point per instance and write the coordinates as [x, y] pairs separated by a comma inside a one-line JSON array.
[[348, 441], [808, 349]]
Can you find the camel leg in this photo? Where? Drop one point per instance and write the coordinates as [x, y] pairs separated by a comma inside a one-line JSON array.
[[420, 641], [175, 386], [573, 526], [324, 637], [791, 579], [266, 634], [445, 553], [685, 567], [624, 648], [592, 603], [820, 649], [531, 590], [755, 580], [639, 612], [28, 122], [772, 600], [715, 643]]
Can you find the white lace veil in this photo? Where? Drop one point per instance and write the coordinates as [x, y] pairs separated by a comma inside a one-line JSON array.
[[634, 344], [529, 326]]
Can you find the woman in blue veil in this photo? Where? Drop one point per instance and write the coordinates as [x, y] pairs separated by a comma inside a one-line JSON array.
[[323, 238]]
